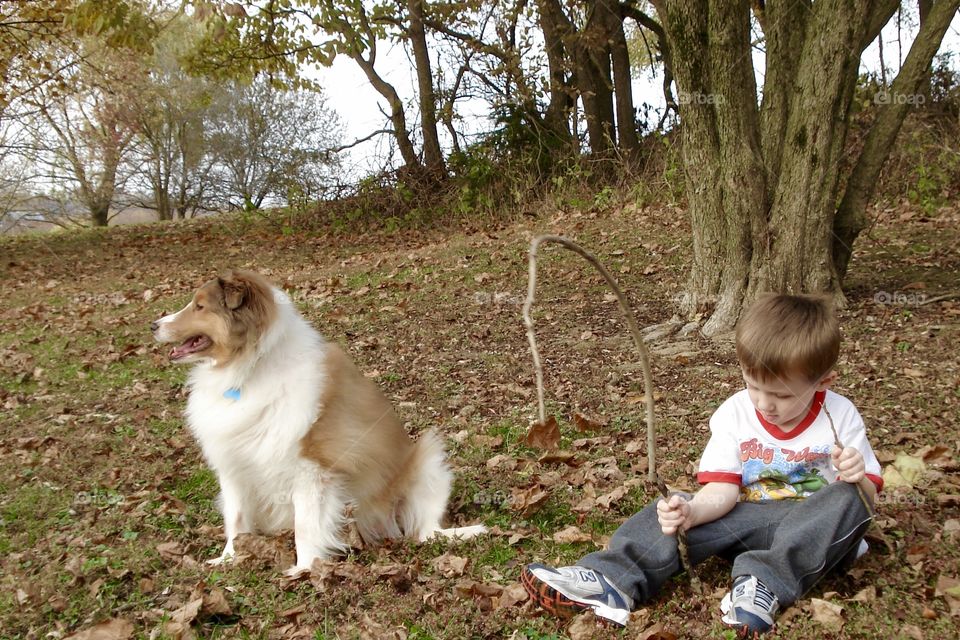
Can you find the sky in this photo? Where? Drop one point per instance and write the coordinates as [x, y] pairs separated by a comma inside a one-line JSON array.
[[359, 105]]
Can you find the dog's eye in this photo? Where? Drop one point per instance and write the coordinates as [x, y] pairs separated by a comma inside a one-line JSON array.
[[199, 307]]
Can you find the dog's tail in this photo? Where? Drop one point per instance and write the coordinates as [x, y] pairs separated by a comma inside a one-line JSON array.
[[425, 501]]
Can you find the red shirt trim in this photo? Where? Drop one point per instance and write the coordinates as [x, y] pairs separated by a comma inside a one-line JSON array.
[[719, 476], [808, 420], [876, 480]]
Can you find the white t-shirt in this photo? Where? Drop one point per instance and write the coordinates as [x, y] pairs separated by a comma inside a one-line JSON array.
[[770, 464]]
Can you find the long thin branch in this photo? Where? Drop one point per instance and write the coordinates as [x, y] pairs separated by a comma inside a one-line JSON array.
[[644, 362], [836, 441]]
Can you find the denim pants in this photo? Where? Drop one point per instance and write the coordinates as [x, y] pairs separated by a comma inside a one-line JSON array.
[[788, 544]]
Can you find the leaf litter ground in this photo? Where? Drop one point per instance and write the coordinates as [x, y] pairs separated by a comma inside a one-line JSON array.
[[107, 508]]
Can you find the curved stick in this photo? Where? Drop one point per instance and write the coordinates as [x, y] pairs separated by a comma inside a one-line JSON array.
[[644, 362], [631, 323]]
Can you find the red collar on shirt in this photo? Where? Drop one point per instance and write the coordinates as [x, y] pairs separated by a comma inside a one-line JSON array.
[[808, 419]]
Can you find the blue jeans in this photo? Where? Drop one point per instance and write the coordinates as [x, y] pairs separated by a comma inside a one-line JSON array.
[[788, 544]]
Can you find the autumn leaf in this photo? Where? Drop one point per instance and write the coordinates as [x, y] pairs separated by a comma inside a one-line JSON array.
[[512, 596], [571, 534], [558, 457], [116, 629], [544, 435], [450, 566], [585, 425], [828, 614], [529, 500]]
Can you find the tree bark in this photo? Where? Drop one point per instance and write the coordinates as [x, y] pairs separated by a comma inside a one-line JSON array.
[[592, 55], [762, 184], [557, 115], [432, 153], [627, 139], [906, 91]]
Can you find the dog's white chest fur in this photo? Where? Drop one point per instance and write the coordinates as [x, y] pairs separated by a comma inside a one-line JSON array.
[[252, 433]]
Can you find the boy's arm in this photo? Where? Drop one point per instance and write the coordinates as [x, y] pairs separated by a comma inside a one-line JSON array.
[[714, 500]]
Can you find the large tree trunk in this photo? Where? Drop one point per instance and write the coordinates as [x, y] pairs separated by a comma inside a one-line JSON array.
[[763, 184], [907, 89], [432, 153]]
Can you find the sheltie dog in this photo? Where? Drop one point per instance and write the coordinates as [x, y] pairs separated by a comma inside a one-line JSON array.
[[294, 431]]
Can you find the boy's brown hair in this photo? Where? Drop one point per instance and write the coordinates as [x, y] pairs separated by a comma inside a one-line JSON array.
[[782, 335]]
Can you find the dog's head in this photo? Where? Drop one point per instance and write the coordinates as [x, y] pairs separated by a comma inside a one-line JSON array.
[[223, 321]]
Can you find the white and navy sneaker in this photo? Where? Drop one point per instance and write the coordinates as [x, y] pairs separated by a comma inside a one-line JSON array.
[[750, 607], [566, 591]]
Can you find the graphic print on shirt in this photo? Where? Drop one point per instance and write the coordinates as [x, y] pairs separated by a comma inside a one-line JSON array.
[[772, 472]]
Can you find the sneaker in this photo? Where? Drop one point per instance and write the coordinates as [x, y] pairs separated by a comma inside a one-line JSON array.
[[566, 591], [750, 607]]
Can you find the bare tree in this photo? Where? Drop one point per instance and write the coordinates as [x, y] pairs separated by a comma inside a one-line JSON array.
[[82, 140], [270, 145]]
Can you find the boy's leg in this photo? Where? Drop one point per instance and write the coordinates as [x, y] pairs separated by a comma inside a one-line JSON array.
[[640, 559], [815, 535]]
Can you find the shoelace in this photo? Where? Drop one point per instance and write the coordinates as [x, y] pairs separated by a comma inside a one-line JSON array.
[[762, 595]]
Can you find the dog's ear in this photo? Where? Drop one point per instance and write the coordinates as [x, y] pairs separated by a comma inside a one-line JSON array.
[[235, 290]]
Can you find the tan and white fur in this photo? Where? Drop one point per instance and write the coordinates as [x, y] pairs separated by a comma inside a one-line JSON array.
[[294, 431]]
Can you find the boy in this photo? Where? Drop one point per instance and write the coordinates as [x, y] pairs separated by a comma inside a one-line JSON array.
[[778, 496]]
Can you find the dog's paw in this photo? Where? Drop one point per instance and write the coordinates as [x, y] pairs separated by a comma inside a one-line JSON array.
[[225, 558], [296, 572]]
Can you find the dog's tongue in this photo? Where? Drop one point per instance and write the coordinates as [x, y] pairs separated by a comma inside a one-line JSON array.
[[191, 345]]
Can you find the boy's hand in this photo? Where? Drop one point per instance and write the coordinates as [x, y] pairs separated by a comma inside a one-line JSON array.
[[673, 514], [849, 464]]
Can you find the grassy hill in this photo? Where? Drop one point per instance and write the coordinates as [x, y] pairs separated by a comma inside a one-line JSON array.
[[107, 507]]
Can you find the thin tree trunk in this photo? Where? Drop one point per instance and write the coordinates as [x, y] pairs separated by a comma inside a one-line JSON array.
[[432, 153], [552, 24], [627, 138]]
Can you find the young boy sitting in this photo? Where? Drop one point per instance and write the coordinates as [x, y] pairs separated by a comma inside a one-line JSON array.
[[778, 496]]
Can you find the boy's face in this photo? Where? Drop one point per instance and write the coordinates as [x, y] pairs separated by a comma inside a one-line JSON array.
[[784, 401]]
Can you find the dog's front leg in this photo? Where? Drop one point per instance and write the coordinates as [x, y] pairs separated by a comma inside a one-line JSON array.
[[318, 517], [237, 516]]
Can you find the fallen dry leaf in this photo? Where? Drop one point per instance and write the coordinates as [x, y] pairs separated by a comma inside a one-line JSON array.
[[512, 596], [829, 614], [867, 594], [586, 425], [657, 632], [584, 627], [180, 620], [529, 500], [558, 457], [116, 629], [571, 535], [949, 589], [543, 435], [449, 565]]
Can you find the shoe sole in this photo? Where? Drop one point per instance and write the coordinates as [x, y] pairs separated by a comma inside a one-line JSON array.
[[549, 598], [558, 604]]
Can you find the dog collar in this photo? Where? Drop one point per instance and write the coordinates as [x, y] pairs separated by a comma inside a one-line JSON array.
[[233, 393]]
